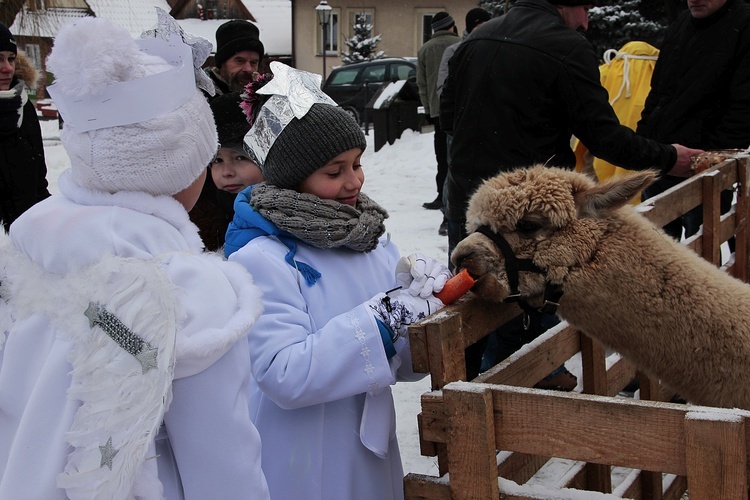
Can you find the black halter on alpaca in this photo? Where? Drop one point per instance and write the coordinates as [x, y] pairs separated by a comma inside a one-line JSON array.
[[513, 266]]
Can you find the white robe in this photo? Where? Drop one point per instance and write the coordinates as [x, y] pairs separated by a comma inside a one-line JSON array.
[[207, 447], [322, 401]]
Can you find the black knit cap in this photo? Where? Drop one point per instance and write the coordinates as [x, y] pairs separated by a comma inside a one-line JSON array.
[[231, 123], [7, 42], [235, 36], [476, 16], [307, 144]]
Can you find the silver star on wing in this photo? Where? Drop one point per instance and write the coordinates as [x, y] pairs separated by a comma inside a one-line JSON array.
[[147, 357], [108, 453]]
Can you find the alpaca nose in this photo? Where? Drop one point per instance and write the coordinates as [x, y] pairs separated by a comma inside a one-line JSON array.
[[458, 260]]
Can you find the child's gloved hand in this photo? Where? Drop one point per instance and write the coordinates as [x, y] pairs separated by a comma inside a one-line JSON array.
[[421, 275], [399, 309]]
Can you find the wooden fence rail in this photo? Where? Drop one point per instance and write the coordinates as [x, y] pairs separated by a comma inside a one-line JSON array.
[[495, 432]]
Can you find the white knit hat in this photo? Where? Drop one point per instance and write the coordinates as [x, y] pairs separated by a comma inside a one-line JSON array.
[[140, 144]]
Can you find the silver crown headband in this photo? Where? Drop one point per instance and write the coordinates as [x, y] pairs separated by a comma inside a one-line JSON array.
[[293, 92], [145, 98]]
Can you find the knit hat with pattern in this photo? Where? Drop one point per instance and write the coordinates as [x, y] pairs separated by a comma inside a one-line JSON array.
[[442, 21], [160, 155], [307, 144]]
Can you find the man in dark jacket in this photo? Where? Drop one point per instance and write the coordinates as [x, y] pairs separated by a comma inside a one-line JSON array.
[[524, 82], [518, 87], [700, 90], [428, 65]]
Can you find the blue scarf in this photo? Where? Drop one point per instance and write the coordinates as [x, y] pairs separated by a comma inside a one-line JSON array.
[[249, 224]]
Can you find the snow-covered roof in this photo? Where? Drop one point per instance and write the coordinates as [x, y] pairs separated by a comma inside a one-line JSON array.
[[133, 15], [274, 20]]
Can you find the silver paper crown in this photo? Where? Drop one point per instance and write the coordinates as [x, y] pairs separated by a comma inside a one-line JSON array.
[[145, 98], [293, 92]]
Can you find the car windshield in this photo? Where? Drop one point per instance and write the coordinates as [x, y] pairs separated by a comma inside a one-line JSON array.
[[344, 77], [374, 73]]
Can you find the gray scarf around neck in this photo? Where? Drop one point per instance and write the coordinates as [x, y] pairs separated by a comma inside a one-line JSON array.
[[321, 223]]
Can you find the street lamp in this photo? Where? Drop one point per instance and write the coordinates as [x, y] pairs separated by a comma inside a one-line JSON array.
[[324, 17]]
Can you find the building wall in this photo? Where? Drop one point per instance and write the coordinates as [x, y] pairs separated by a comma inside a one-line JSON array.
[[399, 22]]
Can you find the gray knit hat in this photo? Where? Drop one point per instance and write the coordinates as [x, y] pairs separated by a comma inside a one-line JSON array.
[[309, 143], [442, 21]]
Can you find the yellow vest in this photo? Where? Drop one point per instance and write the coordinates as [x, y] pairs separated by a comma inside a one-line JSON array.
[[626, 74]]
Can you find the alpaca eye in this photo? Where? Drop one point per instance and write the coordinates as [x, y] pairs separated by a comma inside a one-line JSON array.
[[527, 227]]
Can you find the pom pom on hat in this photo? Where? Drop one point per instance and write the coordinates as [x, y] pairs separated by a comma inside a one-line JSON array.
[[161, 155]]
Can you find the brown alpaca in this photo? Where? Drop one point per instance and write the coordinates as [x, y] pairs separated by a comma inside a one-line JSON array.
[[671, 313]]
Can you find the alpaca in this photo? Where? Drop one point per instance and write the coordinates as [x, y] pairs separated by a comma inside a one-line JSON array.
[[671, 313]]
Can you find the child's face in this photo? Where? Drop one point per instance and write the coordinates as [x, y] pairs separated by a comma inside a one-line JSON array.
[[233, 171], [340, 179]]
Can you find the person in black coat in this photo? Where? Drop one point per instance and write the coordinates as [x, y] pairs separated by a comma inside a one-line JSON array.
[[700, 90], [23, 169]]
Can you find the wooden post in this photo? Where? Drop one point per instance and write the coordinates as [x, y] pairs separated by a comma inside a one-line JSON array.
[[742, 213], [471, 448], [711, 248], [716, 456]]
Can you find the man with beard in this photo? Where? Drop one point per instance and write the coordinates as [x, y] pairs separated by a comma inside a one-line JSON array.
[[239, 52]]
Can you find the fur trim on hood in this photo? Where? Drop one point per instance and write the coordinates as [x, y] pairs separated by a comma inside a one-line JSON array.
[[26, 71]]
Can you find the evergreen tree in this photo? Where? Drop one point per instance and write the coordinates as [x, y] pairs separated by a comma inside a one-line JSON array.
[[614, 23], [362, 46]]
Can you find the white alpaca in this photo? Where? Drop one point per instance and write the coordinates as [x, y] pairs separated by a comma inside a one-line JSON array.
[[670, 312]]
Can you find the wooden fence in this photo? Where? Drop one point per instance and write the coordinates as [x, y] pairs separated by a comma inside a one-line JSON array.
[[492, 434]]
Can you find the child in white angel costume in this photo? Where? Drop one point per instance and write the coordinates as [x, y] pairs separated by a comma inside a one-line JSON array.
[[123, 361], [331, 341]]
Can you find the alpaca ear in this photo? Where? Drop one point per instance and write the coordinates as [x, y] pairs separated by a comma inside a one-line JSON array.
[[612, 194]]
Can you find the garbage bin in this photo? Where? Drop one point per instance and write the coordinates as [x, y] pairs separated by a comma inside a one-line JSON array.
[[393, 109]]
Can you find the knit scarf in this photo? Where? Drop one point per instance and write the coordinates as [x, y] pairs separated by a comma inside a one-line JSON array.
[[263, 210], [11, 107]]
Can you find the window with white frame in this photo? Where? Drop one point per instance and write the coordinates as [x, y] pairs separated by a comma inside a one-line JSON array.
[[368, 16], [426, 27], [331, 34], [33, 53]]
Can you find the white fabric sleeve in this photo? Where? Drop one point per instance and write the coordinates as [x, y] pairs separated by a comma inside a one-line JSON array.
[[298, 364], [216, 447]]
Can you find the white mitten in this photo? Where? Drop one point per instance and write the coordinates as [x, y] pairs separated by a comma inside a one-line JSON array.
[[421, 275], [399, 309]]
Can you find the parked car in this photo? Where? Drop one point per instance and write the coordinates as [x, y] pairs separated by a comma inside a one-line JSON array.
[[353, 85]]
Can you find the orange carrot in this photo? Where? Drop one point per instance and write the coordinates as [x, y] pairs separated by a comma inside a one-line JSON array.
[[455, 287]]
